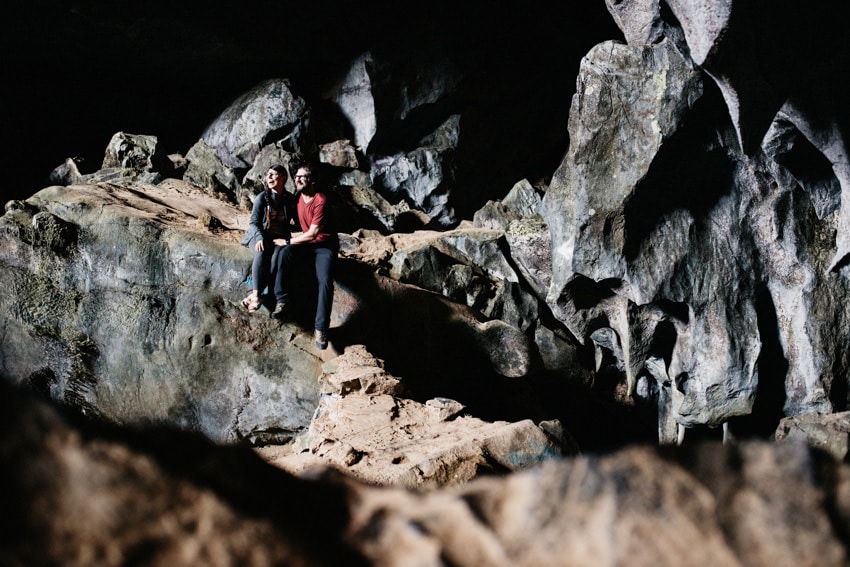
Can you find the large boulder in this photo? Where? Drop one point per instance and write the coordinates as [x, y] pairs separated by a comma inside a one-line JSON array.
[[124, 304], [265, 114]]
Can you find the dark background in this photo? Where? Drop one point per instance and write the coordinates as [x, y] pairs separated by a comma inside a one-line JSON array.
[[77, 72]]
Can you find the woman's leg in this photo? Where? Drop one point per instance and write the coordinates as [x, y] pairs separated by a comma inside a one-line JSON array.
[[260, 268]]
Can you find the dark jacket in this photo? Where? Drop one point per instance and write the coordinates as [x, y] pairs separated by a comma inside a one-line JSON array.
[[258, 225]]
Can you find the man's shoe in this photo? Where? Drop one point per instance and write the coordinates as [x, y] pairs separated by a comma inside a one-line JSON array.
[[279, 311], [321, 340]]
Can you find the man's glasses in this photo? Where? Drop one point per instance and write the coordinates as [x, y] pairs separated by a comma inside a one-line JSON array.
[[302, 177]]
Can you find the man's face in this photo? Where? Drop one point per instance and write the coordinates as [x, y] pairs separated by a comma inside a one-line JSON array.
[[303, 178]]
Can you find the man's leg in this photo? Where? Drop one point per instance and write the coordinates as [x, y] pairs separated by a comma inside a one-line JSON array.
[[324, 260]]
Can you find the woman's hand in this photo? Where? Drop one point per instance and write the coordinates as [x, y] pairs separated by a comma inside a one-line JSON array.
[[259, 246], [280, 242]]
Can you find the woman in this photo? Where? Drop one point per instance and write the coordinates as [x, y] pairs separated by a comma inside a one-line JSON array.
[[270, 220]]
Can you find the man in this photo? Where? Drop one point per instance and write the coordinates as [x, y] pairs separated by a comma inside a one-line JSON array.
[[316, 246]]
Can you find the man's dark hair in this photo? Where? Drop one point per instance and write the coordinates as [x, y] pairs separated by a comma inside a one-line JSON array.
[[310, 164]]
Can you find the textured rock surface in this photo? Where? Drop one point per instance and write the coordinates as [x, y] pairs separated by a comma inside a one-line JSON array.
[[364, 426], [689, 258], [827, 432], [694, 275], [124, 303], [81, 495]]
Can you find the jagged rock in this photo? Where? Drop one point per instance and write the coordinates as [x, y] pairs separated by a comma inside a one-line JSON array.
[[83, 493], [205, 170], [640, 20], [764, 54], [386, 91], [362, 427], [265, 126], [521, 202], [468, 265], [268, 113], [66, 174], [355, 101], [455, 263], [528, 236], [830, 432], [378, 311], [369, 210], [357, 370], [530, 244], [523, 199], [339, 153], [130, 151], [423, 176], [643, 268], [815, 154], [629, 102], [129, 158], [54, 233]]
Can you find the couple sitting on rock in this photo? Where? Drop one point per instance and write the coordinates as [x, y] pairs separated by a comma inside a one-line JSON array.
[[278, 253]]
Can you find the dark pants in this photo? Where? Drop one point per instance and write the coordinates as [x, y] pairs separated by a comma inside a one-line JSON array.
[[261, 266], [299, 256]]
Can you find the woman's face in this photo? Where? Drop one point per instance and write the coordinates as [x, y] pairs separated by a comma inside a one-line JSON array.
[[275, 180]]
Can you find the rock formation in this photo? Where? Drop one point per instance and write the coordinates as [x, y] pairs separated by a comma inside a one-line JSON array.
[[80, 493], [697, 254], [683, 273]]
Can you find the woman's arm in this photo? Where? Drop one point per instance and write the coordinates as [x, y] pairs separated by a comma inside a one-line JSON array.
[[256, 221]]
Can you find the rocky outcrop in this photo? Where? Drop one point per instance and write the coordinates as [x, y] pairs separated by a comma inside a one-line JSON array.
[[827, 432], [700, 257], [125, 305], [79, 493], [364, 426], [690, 273]]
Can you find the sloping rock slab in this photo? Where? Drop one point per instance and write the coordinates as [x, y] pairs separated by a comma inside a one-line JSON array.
[[123, 302]]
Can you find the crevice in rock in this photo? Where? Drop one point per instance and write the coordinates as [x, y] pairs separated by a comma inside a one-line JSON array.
[[687, 173], [772, 367], [839, 395], [812, 170]]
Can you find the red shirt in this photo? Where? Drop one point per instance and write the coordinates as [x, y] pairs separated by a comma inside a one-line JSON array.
[[315, 212]]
